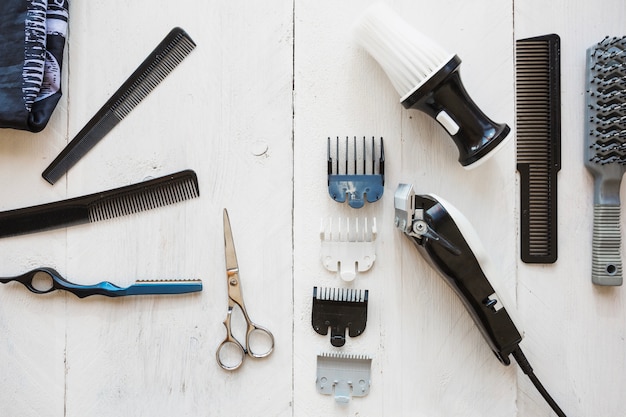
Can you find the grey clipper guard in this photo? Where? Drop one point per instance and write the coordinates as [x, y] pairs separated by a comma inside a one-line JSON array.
[[32, 39], [605, 153]]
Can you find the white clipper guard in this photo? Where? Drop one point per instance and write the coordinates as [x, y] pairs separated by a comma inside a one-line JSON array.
[[348, 250]]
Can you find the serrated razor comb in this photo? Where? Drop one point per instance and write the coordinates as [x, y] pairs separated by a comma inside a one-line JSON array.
[[605, 153], [44, 280]]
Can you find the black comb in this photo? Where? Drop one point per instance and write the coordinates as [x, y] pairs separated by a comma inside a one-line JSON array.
[[165, 57], [339, 308], [538, 105], [91, 208]]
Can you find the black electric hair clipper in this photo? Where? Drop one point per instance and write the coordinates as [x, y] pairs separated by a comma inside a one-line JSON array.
[[447, 240]]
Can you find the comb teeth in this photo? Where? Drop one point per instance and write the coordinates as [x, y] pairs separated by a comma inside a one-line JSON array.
[[161, 61], [173, 53], [340, 294], [607, 102], [145, 196], [359, 157], [341, 355], [356, 180], [537, 82], [359, 230]]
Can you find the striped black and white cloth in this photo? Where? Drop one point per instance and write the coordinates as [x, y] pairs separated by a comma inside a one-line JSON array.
[[32, 39]]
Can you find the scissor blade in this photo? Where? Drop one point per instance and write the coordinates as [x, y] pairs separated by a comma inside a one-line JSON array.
[[229, 245]]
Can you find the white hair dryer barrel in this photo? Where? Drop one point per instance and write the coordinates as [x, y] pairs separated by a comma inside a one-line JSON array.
[[427, 78]]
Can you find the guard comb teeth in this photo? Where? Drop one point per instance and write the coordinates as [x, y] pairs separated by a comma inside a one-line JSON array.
[[361, 175], [348, 247]]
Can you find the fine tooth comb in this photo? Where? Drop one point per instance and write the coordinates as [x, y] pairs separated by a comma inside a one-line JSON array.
[[165, 57], [104, 205], [44, 280], [339, 309], [360, 180], [605, 150], [538, 105]]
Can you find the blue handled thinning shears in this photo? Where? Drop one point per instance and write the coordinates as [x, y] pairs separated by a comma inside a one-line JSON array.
[[44, 280]]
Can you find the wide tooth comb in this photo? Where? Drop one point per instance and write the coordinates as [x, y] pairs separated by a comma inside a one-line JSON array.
[[161, 61], [605, 153]]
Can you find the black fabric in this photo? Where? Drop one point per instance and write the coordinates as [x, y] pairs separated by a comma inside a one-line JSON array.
[[32, 39]]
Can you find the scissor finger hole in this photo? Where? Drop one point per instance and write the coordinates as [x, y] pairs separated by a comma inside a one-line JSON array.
[[42, 282], [260, 343], [230, 355]]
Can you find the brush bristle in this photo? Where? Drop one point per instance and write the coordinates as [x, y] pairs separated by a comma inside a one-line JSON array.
[[606, 100], [407, 56]]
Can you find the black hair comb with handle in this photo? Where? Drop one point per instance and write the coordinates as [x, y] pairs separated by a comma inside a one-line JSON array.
[[91, 208], [538, 111]]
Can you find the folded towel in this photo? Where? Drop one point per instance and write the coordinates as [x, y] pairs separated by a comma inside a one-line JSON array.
[[32, 39]]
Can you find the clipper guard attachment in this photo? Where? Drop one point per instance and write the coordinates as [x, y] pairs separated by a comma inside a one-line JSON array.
[[343, 375], [339, 309], [360, 178], [348, 250]]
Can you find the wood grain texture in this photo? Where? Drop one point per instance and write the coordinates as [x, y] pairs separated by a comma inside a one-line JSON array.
[[250, 110]]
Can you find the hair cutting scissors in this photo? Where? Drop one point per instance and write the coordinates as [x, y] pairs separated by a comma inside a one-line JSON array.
[[259, 341]]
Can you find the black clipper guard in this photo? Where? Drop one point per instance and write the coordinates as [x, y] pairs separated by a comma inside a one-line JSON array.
[[339, 309], [443, 97]]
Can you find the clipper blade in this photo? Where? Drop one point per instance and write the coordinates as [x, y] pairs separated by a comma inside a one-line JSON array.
[[343, 375]]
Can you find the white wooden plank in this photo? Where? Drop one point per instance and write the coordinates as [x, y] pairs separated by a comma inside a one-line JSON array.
[[32, 347], [426, 349], [227, 113], [224, 112], [574, 331]]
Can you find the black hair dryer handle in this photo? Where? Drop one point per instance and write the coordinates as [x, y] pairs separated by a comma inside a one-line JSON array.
[[444, 98]]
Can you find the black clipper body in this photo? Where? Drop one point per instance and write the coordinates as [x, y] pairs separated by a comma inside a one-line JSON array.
[[428, 221]]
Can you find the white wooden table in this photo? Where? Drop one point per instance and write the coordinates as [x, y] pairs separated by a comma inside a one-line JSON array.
[[250, 111]]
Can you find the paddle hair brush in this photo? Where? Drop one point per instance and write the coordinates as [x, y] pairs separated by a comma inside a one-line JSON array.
[[427, 78], [605, 151]]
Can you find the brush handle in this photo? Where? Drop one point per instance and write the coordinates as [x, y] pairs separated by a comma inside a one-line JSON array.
[[606, 260]]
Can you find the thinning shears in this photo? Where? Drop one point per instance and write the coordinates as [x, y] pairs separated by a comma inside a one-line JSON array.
[[44, 280], [259, 341]]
